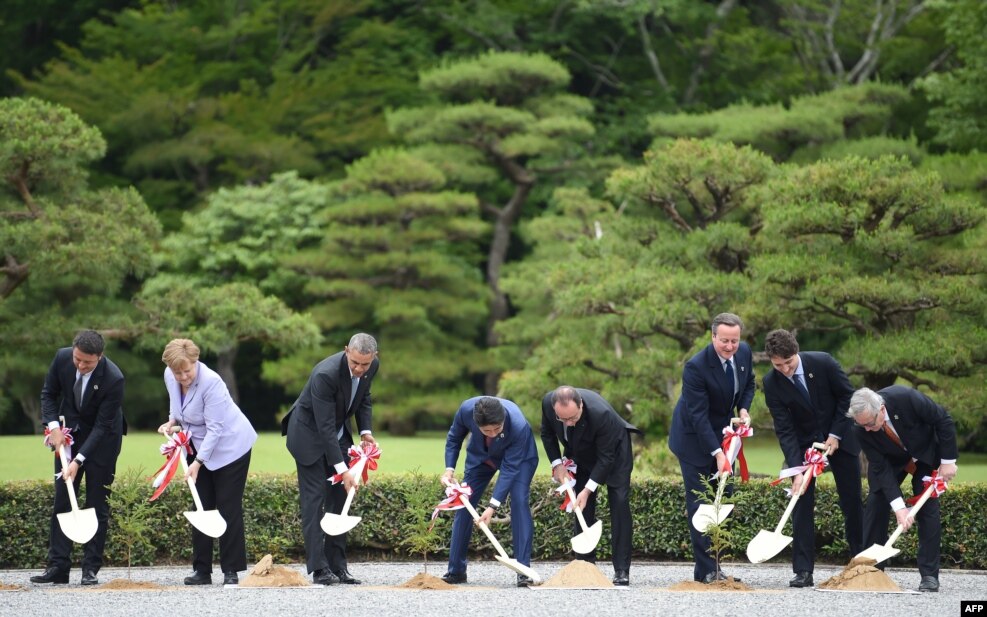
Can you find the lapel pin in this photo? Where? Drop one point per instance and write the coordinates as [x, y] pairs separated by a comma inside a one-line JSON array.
[[95, 386], [811, 376], [896, 416]]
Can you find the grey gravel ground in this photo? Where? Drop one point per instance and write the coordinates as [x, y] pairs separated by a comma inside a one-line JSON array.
[[490, 593]]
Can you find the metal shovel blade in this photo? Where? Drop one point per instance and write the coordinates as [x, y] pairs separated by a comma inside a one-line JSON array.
[[79, 525], [520, 568], [209, 522], [586, 541], [766, 544], [878, 553], [708, 515], [338, 524]]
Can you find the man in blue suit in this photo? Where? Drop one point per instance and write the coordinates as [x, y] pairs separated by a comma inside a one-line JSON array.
[[500, 439], [715, 382]]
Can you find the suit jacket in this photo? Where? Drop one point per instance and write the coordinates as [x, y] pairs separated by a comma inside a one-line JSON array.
[[925, 429], [594, 442], [707, 404], [98, 425], [508, 452], [798, 423], [323, 407], [220, 432]]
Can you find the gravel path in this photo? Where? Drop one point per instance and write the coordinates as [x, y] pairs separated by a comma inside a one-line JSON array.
[[490, 593]]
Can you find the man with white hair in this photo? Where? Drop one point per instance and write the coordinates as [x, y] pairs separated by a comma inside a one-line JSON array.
[[902, 431]]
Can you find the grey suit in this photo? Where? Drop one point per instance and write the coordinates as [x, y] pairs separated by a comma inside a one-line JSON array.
[[312, 427]]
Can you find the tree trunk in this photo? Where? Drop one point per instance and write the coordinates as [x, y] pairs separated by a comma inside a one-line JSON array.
[[31, 407], [224, 366]]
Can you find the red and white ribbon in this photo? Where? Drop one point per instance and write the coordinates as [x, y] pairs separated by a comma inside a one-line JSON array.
[[729, 434], [369, 454], [815, 461], [452, 500], [67, 441], [178, 445], [570, 467], [934, 479]]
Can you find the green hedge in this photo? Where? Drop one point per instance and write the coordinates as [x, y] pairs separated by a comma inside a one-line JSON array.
[[660, 531]]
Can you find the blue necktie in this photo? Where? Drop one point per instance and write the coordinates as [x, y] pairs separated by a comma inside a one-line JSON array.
[[728, 369], [800, 383]]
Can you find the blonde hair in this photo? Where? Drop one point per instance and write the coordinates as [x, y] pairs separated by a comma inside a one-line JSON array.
[[180, 351]]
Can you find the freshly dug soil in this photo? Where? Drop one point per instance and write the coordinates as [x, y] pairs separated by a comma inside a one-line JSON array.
[[579, 573], [726, 585], [426, 581], [266, 574], [860, 575], [122, 584], [5, 587]]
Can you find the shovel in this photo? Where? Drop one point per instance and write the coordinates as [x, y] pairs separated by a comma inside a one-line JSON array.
[[586, 541], [77, 525], [766, 544], [338, 524], [209, 522], [501, 556], [882, 552], [713, 514]]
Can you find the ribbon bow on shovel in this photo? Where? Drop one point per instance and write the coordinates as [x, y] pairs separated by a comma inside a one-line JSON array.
[[179, 446], [362, 459], [586, 541], [934, 486]]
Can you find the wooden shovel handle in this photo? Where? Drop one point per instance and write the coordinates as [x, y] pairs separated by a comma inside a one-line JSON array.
[[912, 512], [483, 526]]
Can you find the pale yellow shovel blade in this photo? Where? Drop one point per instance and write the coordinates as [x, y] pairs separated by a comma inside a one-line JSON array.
[[586, 541], [766, 544], [708, 515], [79, 525], [338, 524], [878, 552], [209, 522], [520, 568]]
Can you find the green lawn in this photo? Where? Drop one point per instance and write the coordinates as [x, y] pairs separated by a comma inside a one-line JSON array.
[[25, 458]]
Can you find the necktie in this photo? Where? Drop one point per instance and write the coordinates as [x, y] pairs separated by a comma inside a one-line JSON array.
[[355, 383], [892, 436], [800, 383], [728, 369], [487, 440], [77, 390]]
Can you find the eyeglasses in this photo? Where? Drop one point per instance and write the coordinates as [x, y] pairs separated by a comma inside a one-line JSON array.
[[573, 418], [873, 423]]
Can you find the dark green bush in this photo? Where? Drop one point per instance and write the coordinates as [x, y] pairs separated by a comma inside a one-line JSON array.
[[660, 531]]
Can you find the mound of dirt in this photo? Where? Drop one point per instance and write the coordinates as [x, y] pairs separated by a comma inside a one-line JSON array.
[[122, 584], [5, 587], [426, 581], [266, 574], [725, 585], [578, 573], [860, 575]]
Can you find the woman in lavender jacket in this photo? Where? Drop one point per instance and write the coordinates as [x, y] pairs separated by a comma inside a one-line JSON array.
[[222, 436]]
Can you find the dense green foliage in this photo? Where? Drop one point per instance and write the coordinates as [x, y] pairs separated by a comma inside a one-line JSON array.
[[660, 532], [509, 194]]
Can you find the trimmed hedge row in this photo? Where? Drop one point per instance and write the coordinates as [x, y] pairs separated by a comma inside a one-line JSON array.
[[660, 527]]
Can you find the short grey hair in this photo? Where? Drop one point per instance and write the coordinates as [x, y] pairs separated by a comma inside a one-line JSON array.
[[362, 343], [863, 400], [727, 319]]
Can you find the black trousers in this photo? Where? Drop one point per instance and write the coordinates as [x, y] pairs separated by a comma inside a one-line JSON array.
[[846, 472], [99, 473], [222, 489], [316, 496], [877, 522], [619, 495]]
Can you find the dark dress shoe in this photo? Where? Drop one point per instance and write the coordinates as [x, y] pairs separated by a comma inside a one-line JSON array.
[[454, 579], [929, 584], [346, 578], [524, 581], [52, 575], [718, 576], [199, 578], [89, 577], [621, 578], [230, 578], [323, 576], [801, 579]]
